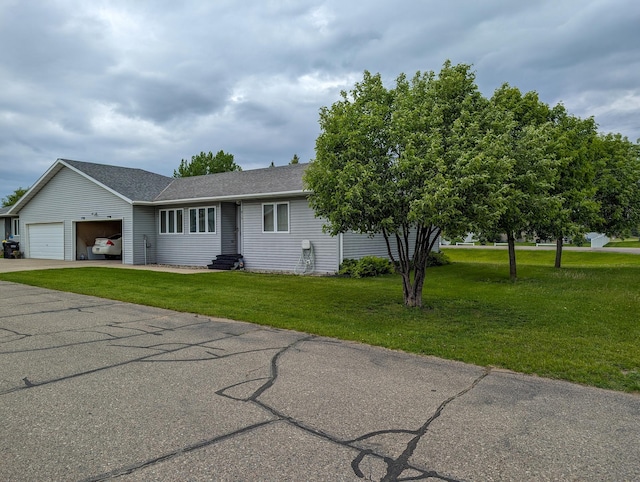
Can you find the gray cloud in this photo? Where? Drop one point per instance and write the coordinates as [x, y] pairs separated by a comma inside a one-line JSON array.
[[145, 84]]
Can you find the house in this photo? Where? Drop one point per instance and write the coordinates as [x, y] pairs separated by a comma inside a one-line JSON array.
[[263, 214], [10, 225]]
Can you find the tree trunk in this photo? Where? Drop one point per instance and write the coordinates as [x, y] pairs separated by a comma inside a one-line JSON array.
[[418, 283], [412, 291], [407, 288], [558, 252], [511, 241], [426, 238]]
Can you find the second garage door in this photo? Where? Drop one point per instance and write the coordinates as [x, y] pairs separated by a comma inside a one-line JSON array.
[[46, 241]]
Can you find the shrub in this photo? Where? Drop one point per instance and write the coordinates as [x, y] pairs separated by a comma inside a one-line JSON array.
[[438, 259], [364, 267], [347, 266]]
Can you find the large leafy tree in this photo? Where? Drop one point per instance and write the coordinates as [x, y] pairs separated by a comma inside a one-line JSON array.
[[13, 198], [206, 163], [405, 163], [520, 134], [617, 183], [574, 188]]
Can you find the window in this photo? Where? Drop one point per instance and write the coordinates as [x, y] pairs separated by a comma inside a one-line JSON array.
[[275, 218], [202, 220], [16, 227], [171, 221]]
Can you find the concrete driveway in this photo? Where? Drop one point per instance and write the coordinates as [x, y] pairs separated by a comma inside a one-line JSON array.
[[30, 264], [94, 389]]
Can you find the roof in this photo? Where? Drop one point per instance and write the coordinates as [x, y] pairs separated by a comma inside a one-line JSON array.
[[127, 183], [138, 186], [133, 184], [270, 181], [4, 211]]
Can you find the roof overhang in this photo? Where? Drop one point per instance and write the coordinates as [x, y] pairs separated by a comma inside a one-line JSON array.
[[230, 198]]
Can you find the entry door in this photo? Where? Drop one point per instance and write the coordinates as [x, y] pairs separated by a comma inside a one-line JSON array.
[[229, 228]]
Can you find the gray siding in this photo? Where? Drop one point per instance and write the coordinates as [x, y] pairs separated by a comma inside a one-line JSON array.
[[67, 198], [356, 246], [187, 249], [144, 225], [281, 251], [6, 223]]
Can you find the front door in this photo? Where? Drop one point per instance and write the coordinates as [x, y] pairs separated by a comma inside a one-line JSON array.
[[229, 228]]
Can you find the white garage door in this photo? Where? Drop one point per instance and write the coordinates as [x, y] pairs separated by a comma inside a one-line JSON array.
[[46, 241]]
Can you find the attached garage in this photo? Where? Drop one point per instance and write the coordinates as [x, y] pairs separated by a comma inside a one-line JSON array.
[[88, 231], [46, 241]]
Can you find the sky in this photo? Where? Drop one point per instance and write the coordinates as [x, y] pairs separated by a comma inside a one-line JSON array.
[[146, 84]]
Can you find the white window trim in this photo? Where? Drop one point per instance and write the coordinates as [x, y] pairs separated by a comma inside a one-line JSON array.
[[275, 217], [164, 213], [15, 226], [206, 224]]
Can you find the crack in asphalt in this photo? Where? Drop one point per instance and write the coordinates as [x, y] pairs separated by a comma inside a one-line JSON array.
[[78, 309], [29, 384], [181, 451], [395, 467], [94, 330], [146, 358], [399, 465], [190, 448]]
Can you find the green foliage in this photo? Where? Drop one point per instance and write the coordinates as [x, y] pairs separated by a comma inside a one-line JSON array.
[[521, 135], [438, 259], [295, 159], [206, 163], [365, 267], [573, 189], [433, 155], [13, 198], [401, 160], [618, 184]]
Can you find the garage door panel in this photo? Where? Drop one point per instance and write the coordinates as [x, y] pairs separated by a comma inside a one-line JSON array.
[[46, 241]]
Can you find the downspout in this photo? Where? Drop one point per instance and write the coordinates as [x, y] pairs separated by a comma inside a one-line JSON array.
[[144, 238]]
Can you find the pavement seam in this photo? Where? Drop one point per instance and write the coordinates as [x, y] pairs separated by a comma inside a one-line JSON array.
[[181, 451]]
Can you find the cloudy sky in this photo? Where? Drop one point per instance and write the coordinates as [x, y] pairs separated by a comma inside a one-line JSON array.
[[147, 83]]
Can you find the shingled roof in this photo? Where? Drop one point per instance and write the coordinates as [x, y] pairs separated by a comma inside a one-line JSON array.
[[140, 186], [269, 181], [134, 184]]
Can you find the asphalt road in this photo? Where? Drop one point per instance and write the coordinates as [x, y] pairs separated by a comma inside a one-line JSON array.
[[94, 389]]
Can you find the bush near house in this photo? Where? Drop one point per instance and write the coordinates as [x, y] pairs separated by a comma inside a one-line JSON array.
[[376, 266], [365, 267]]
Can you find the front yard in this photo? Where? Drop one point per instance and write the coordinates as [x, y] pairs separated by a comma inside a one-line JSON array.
[[579, 323]]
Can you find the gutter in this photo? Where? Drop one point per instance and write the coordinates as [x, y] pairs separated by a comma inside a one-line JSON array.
[[233, 197]]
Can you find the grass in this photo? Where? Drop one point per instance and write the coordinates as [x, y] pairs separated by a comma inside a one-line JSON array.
[[624, 243], [579, 323]]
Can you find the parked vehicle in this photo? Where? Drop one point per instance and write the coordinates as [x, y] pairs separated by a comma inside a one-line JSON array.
[[111, 247]]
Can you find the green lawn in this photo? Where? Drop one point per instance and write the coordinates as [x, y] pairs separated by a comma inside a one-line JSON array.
[[624, 243], [580, 323]]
